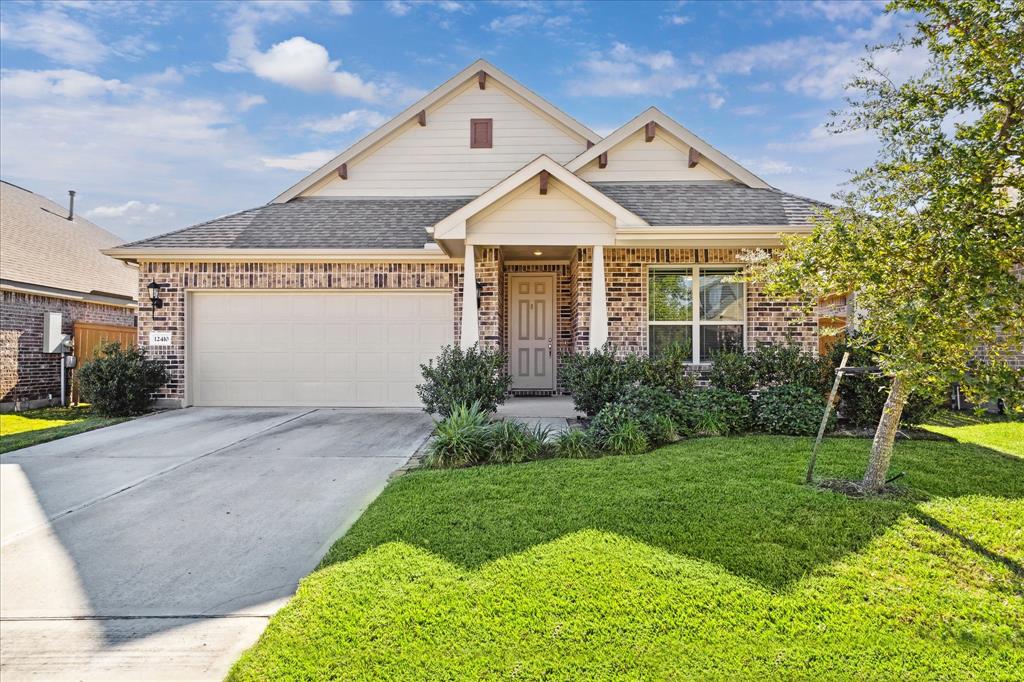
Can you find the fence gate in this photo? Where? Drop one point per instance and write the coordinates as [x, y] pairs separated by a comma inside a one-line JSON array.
[[90, 338]]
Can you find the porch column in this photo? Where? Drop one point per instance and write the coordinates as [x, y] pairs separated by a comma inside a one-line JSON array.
[[470, 331], [598, 302]]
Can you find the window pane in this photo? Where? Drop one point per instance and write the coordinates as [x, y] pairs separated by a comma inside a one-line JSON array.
[[716, 337], [719, 299], [671, 297], [664, 335]]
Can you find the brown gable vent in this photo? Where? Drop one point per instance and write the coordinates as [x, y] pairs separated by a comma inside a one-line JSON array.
[[480, 133]]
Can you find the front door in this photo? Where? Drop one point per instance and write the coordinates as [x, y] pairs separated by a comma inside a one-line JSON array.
[[531, 331]]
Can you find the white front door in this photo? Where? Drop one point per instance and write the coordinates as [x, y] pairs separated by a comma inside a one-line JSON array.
[[532, 331], [314, 348]]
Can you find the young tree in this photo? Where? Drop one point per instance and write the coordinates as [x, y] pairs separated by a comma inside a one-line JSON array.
[[930, 237]]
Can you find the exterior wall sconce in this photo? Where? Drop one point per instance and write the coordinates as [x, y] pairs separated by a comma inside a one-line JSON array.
[[154, 295], [479, 293]]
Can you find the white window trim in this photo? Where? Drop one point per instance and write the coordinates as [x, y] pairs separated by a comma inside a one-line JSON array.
[[695, 323]]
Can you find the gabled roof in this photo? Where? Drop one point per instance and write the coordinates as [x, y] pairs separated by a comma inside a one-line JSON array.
[[39, 246], [454, 225], [316, 223], [686, 136], [723, 203], [439, 93]]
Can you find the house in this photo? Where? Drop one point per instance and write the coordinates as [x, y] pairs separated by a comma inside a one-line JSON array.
[[480, 214], [51, 261]]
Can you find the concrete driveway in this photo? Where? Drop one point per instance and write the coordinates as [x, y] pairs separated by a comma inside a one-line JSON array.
[[159, 547]]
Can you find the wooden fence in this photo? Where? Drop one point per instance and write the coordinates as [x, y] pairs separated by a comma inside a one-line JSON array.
[[90, 338]]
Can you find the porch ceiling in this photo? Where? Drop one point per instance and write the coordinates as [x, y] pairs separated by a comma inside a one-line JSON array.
[[538, 253]]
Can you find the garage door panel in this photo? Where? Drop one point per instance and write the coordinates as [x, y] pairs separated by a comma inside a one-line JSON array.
[[340, 348]]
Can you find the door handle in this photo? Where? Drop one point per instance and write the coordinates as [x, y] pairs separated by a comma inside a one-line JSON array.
[[549, 346]]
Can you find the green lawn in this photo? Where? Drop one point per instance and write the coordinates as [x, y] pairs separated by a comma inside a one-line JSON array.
[[32, 427], [703, 559], [1002, 433]]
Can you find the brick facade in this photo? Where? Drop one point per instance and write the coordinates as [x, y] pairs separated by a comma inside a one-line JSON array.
[[26, 373], [177, 278], [625, 273]]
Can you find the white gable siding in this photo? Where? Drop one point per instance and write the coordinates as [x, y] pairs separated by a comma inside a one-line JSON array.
[[528, 217], [436, 160], [663, 158]]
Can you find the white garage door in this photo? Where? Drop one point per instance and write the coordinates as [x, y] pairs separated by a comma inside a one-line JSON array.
[[332, 349]]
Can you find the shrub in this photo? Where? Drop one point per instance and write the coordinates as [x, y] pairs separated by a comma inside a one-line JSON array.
[[791, 409], [777, 365], [463, 377], [121, 381], [862, 397], [462, 438], [732, 371], [648, 406], [714, 412], [670, 370], [574, 444], [597, 378], [513, 442], [627, 439]]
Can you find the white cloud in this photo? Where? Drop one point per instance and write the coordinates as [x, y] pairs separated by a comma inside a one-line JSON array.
[[133, 208], [398, 7], [71, 83], [305, 65], [750, 110], [820, 139], [304, 161], [342, 7], [169, 76], [245, 22], [53, 34], [624, 70], [769, 166], [677, 19], [714, 100], [247, 101], [350, 120]]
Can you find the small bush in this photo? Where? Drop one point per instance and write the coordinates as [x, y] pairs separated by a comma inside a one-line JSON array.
[[463, 377], [513, 442], [714, 412], [463, 438], [597, 378], [627, 439], [664, 430], [121, 381], [670, 370], [778, 365], [574, 444], [792, 410], [648, 406], [732, 371]]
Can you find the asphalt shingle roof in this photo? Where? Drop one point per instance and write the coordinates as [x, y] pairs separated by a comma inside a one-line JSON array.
[[357, 223], [40, 246], [401, 222], [709, 203]]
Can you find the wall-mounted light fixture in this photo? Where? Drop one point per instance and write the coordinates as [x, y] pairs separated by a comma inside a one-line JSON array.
[[154, 295], [479, 292]]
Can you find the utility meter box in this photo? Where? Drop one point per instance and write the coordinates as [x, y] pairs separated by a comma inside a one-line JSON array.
[[53, 337]]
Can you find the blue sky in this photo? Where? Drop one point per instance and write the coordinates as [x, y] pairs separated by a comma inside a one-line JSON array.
[[163, 114]]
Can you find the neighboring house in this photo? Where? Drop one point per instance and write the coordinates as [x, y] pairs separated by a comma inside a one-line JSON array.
[[52, 262], [481, 213]]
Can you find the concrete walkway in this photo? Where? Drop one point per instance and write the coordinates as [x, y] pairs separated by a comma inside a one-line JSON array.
[[158, 548]]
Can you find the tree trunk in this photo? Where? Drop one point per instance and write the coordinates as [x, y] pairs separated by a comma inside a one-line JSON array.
[[885, 436]]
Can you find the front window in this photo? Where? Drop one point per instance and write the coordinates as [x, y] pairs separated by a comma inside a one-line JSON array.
[[703, 324]]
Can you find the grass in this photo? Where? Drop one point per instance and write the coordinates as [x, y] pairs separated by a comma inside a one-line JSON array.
[[1002, 433], [32, 427], [703, 559]]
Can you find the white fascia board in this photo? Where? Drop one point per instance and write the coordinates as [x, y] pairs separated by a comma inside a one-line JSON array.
[[675, 129], [751, 235], [454, 225], [424, 255], [439, 93]]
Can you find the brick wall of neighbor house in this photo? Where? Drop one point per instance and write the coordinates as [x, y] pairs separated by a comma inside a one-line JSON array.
[[26, 373], [626, 271], [176, 278]]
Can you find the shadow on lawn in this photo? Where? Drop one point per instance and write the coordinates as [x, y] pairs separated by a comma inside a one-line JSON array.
[[737, 502]]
